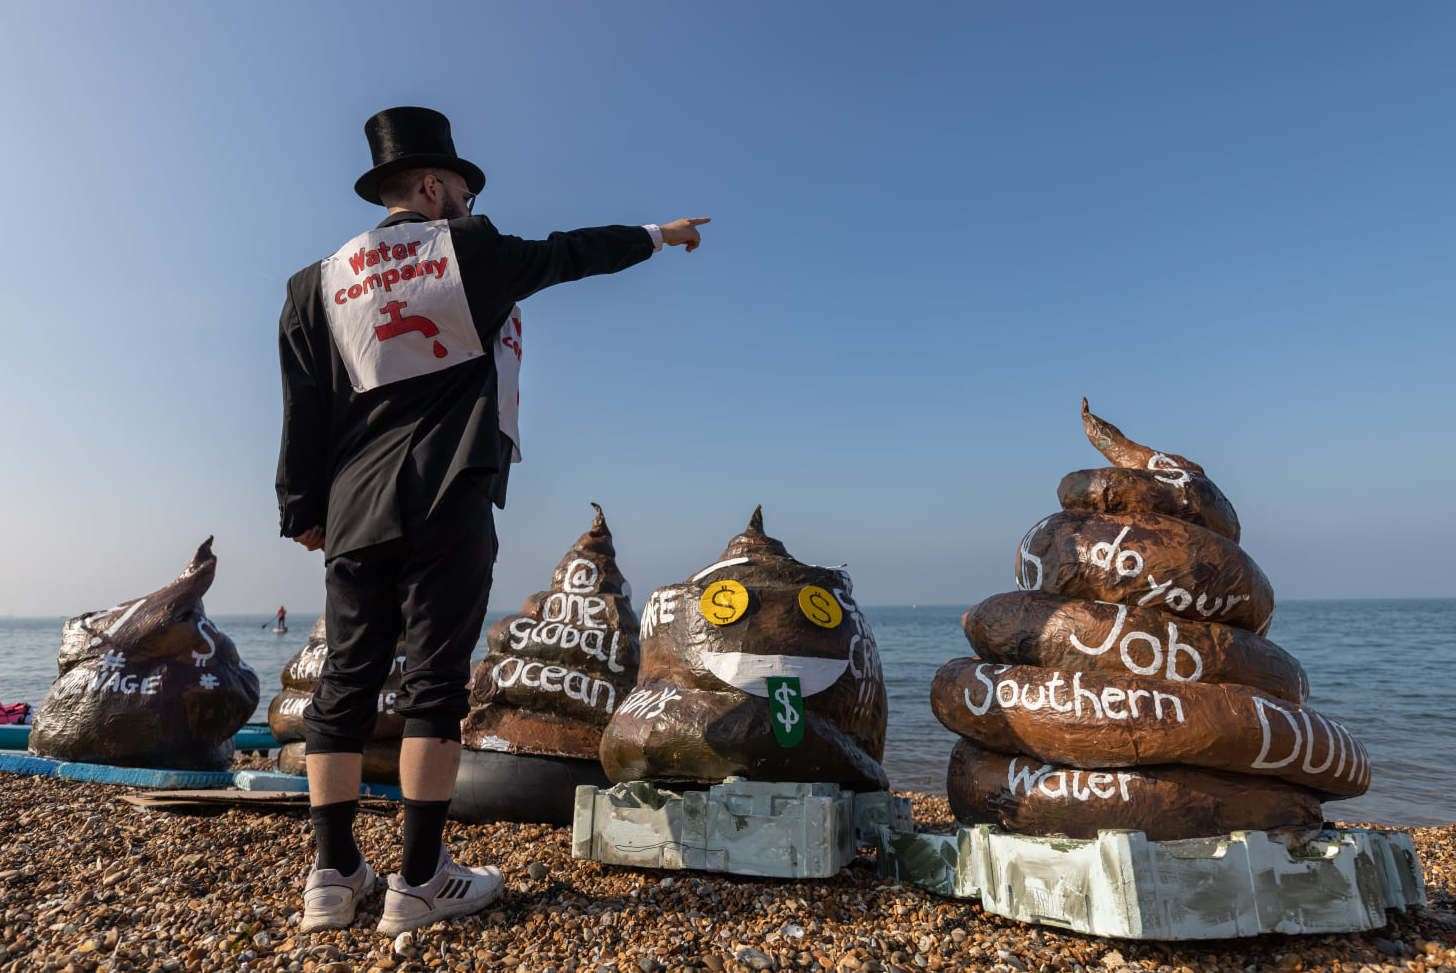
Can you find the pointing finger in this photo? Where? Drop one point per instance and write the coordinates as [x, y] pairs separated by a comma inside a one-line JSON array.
[[699, 220]]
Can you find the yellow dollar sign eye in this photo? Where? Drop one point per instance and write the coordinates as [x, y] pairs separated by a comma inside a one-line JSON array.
[[820, 607], [724, 602]]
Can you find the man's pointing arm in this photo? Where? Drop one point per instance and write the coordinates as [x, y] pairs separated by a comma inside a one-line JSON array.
[[532, 265]]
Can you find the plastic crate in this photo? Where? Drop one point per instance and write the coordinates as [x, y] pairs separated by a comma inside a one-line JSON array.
[[1121, 884], [741, 827]]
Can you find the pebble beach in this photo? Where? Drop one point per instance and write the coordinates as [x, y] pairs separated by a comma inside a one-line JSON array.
[[88, 882]]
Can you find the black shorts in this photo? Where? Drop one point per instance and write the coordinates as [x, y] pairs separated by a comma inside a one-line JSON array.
[[424, 595]]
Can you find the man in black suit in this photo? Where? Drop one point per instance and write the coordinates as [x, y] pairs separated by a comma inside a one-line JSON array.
[[394, 357]]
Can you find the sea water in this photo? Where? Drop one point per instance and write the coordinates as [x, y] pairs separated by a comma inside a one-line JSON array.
[[1386, 669]]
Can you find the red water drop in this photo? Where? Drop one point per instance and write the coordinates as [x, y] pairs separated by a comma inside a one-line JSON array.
[[440, 351]]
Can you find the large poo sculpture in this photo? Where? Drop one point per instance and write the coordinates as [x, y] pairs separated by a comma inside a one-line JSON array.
[[553, 674], [1128, 684], [149, 683], [758, 666], [300, 679]]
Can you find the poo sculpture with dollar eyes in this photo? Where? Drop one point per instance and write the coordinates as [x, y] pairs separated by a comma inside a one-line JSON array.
[[149, 683], [758, 666], [553, 674], [1130, 683], [300, 678]]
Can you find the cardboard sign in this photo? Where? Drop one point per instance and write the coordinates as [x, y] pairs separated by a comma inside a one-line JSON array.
[[396, 305], [508, 352]]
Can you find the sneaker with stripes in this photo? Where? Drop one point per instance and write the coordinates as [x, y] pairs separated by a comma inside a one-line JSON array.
[[454, 890]]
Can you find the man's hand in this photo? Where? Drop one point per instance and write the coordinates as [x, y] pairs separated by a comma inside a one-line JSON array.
[[312, 539], [683, 232]]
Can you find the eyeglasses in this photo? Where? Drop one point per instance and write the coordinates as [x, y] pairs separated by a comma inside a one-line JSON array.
[[469, 197]]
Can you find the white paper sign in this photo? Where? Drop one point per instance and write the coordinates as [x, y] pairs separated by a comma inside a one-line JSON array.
[[508, 351], [396, 305]]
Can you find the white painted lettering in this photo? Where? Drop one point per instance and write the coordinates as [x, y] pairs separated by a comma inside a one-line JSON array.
[[1108, 642], [1021, 781], [1078, 694], [1262, 761], [1024, 579], [979, 674], [1155, 662], [1112, 695], [1175, 649], [1052, 685], [1132, 698], [1158, 698], [1162, 463], [1110, 557]]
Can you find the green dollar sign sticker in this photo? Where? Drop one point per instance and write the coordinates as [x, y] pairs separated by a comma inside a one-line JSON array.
[[786, 710]]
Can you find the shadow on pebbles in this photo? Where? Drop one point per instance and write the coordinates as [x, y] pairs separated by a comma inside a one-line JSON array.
[[90, 883]]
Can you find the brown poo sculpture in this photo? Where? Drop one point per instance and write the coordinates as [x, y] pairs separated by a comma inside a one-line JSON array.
[[555, 671], [1037, 629], [758, 666], [300, 679], [149, 683], [1026, 795], [1137, 641]]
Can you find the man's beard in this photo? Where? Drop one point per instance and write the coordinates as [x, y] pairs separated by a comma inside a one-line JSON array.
[[454, 210]]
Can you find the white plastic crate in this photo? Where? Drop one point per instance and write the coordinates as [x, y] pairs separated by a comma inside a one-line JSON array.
[[763, 828], [1121, 884], [874, 810]]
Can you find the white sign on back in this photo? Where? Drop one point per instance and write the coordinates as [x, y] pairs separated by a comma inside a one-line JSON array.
[[396, 305], [508, 350]]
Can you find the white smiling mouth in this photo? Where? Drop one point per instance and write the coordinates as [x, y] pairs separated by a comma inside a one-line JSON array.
[[749, 671]]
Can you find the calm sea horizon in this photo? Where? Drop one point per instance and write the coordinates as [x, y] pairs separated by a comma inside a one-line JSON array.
[[1370, 663]]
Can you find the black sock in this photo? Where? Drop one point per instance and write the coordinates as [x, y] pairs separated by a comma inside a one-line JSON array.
[[424, 830], [333, 832]]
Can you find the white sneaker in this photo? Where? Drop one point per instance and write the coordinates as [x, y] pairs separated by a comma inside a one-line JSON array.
[[330, 899], [454, 890]]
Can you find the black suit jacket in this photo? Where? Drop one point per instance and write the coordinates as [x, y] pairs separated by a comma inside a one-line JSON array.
[[363, 465]]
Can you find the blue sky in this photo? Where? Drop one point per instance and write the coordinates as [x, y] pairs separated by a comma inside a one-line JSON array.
[[935, 227]]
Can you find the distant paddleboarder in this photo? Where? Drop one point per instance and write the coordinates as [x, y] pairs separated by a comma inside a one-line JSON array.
[[280, 620], [397, 359]]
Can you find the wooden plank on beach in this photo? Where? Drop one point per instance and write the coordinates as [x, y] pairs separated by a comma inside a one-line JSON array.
[[196, 800]]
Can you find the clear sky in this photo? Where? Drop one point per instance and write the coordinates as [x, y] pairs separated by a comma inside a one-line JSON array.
[[935, 227]]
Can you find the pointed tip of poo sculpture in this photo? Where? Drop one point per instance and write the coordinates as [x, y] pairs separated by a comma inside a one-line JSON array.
[[1129, 683], [149, 683], [1145, 480], [758, 666]]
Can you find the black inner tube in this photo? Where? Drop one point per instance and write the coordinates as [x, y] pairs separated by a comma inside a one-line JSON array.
[[494, 786]]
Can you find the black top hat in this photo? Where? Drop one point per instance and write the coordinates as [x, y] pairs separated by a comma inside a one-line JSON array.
[[412, 138]]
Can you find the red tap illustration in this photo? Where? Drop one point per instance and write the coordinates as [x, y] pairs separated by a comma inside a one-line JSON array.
[[398, 325]]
